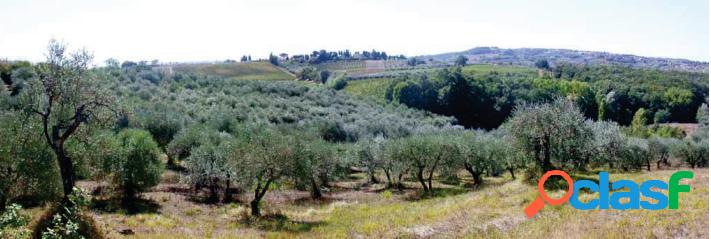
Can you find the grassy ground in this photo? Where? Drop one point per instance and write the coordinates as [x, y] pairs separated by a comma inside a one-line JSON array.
[[354, 209], [374, 88], [238, 71], [476, 69]]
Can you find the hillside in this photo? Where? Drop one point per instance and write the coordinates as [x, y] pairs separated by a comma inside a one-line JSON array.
[[240, 71], [528, 56]]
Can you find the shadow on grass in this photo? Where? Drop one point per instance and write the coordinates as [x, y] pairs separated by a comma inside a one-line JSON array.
[[436, 193], [279, 223], [135, 206]]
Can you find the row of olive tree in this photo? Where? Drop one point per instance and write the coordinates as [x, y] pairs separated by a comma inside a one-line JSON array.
[[557, 135], [256, 158]]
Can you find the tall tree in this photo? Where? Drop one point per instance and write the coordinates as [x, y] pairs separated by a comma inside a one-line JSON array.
[[64, 97]]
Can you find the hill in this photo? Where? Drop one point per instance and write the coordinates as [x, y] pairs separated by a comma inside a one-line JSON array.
[[528, 56], [257, 70]]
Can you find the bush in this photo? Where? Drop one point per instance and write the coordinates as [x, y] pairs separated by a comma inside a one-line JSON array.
[[138, 167], [207, 166], [68, 221], [13, 222]]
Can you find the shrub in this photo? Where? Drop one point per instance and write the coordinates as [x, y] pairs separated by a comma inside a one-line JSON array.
[[67, 222], [138, 167], [13, 222]]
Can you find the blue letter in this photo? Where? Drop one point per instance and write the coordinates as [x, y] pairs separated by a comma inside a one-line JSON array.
[[574, 198], [632, 194], [646, 189], [604, 190]]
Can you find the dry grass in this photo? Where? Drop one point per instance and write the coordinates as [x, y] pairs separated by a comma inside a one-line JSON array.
[[358, 210]]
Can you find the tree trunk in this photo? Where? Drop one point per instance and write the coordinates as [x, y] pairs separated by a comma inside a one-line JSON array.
[[254, 204], [399, 182], [170, 162], [476, 176], [214, 196], [66, 168], [315, 190], [259, 192], [3, 201], [649, 165], [390, 181], [511, 170], [547, 165], [373, 179], [228, 196], [422, 180]]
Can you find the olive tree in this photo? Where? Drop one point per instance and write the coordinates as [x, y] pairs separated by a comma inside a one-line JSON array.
[[162, 125], [263, 156], [425, 154], [474, 154], [314, 162], [394, 165], [184, 141], [63, 97], [138, 166], [208, 165], [607, 145], [635, 154], [694, 153], [550, 133], [661, 149], [370, 154]]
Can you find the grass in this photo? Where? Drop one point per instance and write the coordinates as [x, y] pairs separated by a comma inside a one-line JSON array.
[[494, 210], [480, 69], [374, 88], [239, 71]]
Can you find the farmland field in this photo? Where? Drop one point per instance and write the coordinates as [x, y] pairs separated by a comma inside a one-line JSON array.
[[237, 71]]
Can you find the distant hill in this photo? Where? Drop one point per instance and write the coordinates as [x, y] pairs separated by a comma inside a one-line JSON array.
[[528, 56], [256, 70]]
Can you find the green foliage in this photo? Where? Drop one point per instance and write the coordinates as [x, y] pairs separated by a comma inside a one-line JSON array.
[[461, 61], [315, 163], [263, 156], [551, 134], [662, 148], [137, 167], [13, 222], [424, 155], [542, 64], [694, 153], [608, 143], [66, 223], [639, 123], [208, 164], [273, 59], [635, 154]]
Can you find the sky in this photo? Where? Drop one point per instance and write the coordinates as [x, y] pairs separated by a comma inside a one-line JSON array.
[[211, 30]]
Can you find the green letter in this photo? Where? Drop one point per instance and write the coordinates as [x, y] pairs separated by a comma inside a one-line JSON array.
[[675, 188]]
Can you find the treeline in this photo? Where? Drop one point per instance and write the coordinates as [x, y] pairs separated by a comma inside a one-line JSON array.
[[321, 56], [602, 93]]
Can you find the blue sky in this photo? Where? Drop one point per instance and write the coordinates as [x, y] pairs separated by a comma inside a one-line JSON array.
[[220, 29]]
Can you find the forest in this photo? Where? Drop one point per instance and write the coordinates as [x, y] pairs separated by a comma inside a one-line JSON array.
[[236, 141]]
